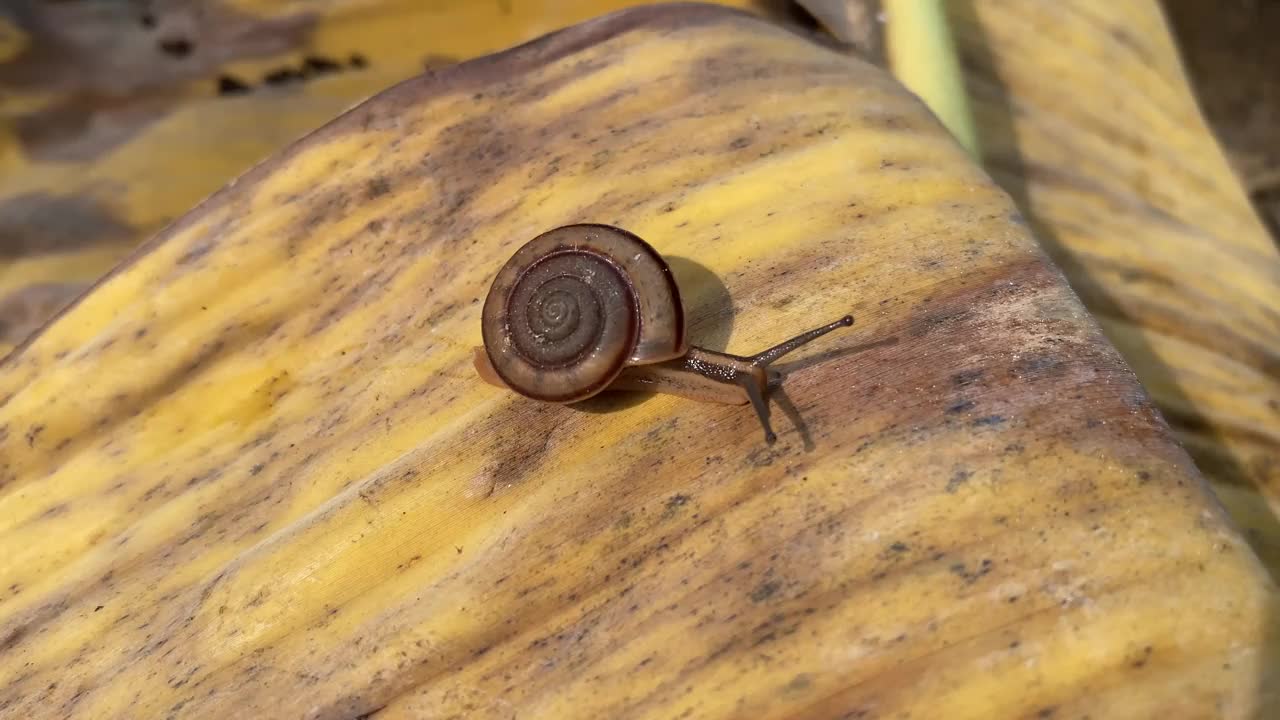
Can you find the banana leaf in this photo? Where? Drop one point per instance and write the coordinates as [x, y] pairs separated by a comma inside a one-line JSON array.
[[253, 472]]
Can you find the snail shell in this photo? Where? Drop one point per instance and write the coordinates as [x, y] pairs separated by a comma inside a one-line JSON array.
[[576, 305]]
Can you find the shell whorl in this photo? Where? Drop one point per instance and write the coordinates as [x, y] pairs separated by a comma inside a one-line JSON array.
[[576, 305]]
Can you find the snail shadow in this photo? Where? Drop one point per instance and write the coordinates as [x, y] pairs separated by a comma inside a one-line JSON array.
[[610, 401], [708, 315], [784, 402], [708, 307], [825, 357]]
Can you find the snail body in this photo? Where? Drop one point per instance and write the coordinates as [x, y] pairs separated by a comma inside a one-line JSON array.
[[586, 308]]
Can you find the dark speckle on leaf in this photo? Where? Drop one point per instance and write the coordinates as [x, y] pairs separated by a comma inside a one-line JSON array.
[[765, 590], [800, 682], [282, 76], [177, 47], [231, 85], [958, 478], [197, 252], [320, 65], [674, 503], [972, 575], [378, 187], [1034, 366]]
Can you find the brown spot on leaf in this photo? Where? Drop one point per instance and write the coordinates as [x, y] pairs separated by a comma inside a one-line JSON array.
[[114, 79], [115, 59], [765, 590], [84, 127], [39, 223], [232, 85]]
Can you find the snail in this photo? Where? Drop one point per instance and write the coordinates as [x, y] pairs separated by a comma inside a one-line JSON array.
[[586, 308]]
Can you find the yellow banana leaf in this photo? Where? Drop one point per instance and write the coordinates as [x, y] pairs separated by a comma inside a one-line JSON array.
[[253, 472], [117, 118], [1135, 201], [1088, 120]]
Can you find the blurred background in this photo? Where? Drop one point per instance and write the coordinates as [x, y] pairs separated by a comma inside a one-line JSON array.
[[1231, 55], [116, 116]]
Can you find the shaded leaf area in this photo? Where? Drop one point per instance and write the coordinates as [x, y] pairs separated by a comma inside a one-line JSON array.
[[1230, 56], [138, 111], [1136, 202], [1097, 136], [253, 472]]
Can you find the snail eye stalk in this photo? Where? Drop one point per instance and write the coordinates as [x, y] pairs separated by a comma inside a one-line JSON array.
[[757, 402], [756, 386], [762, 359]]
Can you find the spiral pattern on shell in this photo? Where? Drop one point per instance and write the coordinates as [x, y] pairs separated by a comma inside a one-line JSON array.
[[576, 305], [571, 306]]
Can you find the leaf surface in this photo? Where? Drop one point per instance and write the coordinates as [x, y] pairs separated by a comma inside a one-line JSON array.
[[253, 472]]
